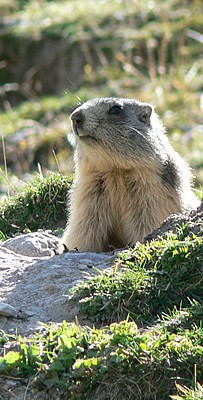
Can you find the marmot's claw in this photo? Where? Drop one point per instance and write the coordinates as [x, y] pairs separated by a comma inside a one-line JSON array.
[[65, 248], [111, 247], [61, 250]]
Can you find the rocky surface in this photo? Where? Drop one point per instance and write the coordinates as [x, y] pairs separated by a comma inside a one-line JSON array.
[[194, 220], [36, 284]]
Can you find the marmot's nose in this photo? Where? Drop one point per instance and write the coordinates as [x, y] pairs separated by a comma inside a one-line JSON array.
[[77, 117]]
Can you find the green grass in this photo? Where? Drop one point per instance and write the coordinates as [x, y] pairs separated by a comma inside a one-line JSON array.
[[39, 205], [44, 111], [55, 18], [184, 393], [147, 280]]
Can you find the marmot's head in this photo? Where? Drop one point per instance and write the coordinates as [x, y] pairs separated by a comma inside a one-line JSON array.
[[118, 130]]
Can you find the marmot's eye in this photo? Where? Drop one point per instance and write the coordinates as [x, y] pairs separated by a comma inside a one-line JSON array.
[[115, 109]]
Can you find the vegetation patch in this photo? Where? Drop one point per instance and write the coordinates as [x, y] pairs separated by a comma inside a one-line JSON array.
[[39, 205], [147, 280], [119, 360], [43, 111]]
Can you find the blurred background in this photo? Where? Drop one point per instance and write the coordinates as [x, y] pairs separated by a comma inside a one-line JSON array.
[[56, 54]]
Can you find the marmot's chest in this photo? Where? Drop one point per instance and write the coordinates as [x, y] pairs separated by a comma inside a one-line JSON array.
[[121, 185], [123, 193], [116, 191]]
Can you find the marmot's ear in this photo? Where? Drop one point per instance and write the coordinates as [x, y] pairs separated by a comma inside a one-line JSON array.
[[144, 113]]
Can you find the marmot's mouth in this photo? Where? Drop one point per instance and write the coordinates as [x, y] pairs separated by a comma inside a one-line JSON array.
[[75, 130], [87, 137], [81, 134]]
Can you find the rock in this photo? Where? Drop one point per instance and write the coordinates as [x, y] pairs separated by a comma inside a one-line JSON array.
[[41, 285], [8, 311], [21, 389], [35, 244], [194, 219]]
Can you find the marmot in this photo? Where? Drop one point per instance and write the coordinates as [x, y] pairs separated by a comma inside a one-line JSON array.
[[128, 176]]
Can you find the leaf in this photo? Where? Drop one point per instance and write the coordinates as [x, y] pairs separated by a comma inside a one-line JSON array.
[[144, 346], [10, 359], [80, 366]]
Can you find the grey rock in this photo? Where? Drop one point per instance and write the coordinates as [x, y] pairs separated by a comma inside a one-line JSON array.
[[41, 285], [8, 311], [35, 244], [194, 219]]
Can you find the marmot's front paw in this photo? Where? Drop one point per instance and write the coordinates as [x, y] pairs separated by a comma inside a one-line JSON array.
[[111, 248], [61, 249]]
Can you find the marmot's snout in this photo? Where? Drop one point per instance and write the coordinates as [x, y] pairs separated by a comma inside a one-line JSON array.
[[77, 119]]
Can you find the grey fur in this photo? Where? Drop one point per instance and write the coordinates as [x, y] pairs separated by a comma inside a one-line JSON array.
[[169, 174]]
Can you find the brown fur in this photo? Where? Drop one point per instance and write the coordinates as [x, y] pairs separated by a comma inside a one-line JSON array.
[[119, 197]]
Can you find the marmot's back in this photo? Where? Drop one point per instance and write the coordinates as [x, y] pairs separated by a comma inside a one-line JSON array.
[[128, 176]]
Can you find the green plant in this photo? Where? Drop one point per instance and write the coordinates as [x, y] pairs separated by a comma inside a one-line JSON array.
[[151, 279], [79, 360], [40, 205]]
